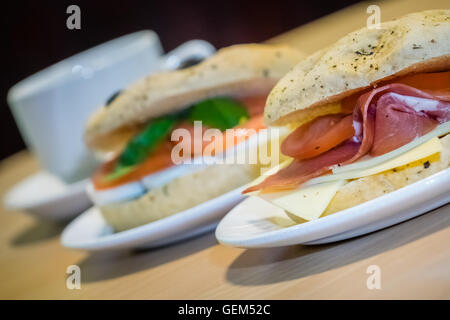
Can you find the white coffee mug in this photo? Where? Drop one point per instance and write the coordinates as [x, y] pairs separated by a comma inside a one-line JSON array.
[[52, 106]]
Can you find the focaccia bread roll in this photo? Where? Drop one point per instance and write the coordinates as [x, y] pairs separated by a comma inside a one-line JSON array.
[[418, 42]]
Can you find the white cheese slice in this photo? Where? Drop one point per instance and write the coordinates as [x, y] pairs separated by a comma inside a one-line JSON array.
[[424, 150], [306, 202], [267, 173], [310, 201], [369, 161], [163, 177]]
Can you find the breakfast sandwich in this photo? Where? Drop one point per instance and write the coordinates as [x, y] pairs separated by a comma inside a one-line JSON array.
[[140, 182], [368, 115]]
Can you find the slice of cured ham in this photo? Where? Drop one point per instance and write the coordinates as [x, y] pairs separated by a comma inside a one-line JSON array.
[[300, 171]]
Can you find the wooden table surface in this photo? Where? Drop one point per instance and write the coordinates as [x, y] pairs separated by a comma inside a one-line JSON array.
[[414, 257]]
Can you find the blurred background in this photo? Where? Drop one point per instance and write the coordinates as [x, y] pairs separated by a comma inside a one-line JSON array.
[[35, 33]]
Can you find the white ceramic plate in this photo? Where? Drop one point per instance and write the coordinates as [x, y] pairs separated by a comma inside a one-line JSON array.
[[90, 231], [46, 196], [256, 223]]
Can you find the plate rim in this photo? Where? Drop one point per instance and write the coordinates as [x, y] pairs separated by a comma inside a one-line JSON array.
[[284, 234], [123, 238]]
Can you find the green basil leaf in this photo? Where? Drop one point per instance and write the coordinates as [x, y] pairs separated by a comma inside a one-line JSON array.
[[142, 145], [220, 113]]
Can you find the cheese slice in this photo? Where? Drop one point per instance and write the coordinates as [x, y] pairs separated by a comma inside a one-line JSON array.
[[424, 150], [368, 161], [310, 200], [267, 173], [306, 202]]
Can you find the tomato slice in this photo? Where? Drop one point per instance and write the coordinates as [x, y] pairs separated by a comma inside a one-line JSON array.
[[160, 159], [438, 81], [236, 135], [196, 139], [318, 136]]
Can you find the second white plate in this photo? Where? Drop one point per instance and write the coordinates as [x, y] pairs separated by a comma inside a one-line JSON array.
[[256, 223]]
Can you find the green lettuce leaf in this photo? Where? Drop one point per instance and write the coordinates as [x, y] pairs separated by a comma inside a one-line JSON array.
[[142, 145], [220, 113]]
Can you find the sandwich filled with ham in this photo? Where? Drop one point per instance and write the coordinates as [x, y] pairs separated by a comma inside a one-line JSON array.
[[140, 182], [368, 115]]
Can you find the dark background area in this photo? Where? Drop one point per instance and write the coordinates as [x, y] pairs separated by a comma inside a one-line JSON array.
[[35, 33]]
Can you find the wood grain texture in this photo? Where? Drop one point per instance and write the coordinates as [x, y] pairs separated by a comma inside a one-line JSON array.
[[414, 256]]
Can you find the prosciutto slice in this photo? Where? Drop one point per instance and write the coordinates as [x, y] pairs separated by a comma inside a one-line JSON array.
[[300, 171], [394, 115], [384, 119]]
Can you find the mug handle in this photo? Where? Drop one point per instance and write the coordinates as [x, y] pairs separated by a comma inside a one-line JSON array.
[[190, 50]]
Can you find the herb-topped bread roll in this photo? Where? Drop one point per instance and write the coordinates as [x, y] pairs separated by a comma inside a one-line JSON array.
[[415, 43], [141, 183]]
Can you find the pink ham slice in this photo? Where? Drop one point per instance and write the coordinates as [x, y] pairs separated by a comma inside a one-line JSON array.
[[384, 119], [394, 115], [300, 171]]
